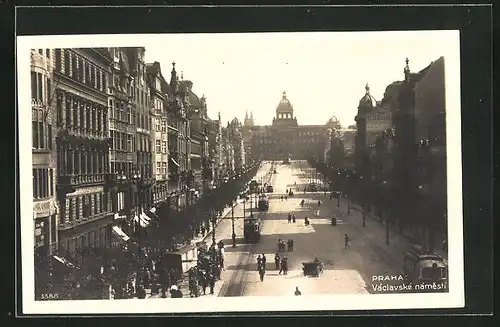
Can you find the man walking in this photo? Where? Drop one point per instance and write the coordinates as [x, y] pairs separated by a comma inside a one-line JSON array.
[[346, 241], [293, 218], [212, 284], [264, 260], [277, 261], [297, 292], [261, 273], [289, 218]]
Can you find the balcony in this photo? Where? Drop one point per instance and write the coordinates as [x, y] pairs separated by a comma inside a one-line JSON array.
[[121, 156], [82, 180], [142, 131], [37, 103]]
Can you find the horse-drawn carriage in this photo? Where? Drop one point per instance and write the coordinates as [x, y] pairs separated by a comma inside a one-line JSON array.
[[312, 268]]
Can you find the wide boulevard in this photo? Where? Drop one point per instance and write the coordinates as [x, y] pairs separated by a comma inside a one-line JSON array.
[[347, 270]]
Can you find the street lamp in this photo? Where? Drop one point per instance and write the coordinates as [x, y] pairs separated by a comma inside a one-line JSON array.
[[348, 197], [136, 178]]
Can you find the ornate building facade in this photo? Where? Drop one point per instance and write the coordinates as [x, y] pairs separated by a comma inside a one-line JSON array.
[[285, 138], [44, 122], [141, 117], [400, 148], [159, 133], [82, 143], [178, 142]]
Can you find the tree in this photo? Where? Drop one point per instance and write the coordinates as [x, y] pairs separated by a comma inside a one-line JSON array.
[[336, 153]]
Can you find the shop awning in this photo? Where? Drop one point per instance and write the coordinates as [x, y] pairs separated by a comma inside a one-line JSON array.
[[142, 219], [64, 261], [175, 162], [118, 231], [118, 216]]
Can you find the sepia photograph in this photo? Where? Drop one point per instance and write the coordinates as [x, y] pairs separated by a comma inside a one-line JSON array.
[[240, 172]]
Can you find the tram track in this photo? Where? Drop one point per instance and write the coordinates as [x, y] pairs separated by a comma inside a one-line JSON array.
[[235, 286]]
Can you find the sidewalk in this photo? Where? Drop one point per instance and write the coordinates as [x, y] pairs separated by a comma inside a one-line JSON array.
[[184, 284], [374, 232]]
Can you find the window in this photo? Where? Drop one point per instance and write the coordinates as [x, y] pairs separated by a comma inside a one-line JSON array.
[[157, 123], [74, 72], [164, 147], [99, 76], [47, 53], [40, 51], [127, 113], [163, 126], [33, 85], [58, 60], [164, 168], [35, 183], [49, 90], [42, 183], [158, 168], [86, 207], [105, 202], [129, 143], [158, 146], [39, 87], [49, 136], [92, 76], [84, 71], [67, 66]]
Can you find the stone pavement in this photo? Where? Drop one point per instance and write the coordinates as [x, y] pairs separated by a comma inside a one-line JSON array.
[[346, 272]]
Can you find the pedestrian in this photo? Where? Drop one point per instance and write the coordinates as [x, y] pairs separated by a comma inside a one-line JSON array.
[[289, 218], [297, 292], [212, 284], [259, 261], [146, 277], [319, 203], [264, 260], [346, 241], [282, 266], [175, 292], [141, 292], [285, 265], [204, 283], [262, 272], [277, 260], [293, 218]]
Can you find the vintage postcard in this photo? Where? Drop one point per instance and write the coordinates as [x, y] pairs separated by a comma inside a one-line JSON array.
[[240, 172]]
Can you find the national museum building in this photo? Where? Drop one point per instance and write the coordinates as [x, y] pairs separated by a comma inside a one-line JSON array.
[[285, 138]]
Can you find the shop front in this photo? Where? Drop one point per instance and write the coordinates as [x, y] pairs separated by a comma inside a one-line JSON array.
[[93, 235]]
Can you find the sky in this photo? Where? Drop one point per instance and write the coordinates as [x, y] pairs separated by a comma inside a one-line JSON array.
[[324, 74]]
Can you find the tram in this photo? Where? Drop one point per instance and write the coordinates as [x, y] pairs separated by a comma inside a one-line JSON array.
[[252, 229]]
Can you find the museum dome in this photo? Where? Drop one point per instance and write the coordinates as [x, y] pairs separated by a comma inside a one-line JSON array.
[[367, 100], [333, 122], [284, 105]]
